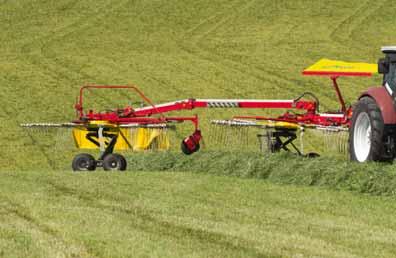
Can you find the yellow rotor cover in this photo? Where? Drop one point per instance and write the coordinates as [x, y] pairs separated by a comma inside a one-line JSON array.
[[136, 139]]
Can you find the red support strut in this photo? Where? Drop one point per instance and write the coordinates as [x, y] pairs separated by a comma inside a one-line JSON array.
[[337, 89]]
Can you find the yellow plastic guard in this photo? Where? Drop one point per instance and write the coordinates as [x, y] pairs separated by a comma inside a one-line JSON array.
[[341, 68], [280, 124], [286, 125], [144, 137], [136, 139]]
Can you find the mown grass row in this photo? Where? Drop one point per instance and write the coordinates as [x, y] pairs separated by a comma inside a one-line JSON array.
[[282, 168], [46, 213]]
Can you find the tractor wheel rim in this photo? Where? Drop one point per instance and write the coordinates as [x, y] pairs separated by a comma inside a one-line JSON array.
[[362, 137]]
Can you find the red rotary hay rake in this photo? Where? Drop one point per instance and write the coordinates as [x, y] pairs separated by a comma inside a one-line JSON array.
[[109, 130], [137, 128]]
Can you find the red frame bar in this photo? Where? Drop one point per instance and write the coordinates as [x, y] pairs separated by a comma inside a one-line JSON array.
[[79, 105], [338, 92], [143, 115], [334, 76], [189, 104]]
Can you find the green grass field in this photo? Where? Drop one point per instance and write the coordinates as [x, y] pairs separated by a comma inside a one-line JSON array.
[[175, 50], [172, 50], [161, 214]]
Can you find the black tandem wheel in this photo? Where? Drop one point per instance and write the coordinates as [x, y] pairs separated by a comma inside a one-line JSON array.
[[108, 160]]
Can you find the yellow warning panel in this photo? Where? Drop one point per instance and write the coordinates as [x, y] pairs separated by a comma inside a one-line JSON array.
[[87, 138], [341, 68], [79, 136]]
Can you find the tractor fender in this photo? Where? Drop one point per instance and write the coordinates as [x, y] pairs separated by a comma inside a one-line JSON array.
[[384, 102]]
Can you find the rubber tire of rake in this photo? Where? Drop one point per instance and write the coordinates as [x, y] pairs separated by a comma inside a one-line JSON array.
[[377, 148], [84, 162], [108, 161]]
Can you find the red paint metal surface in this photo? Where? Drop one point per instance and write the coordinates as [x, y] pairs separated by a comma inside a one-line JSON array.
[[330, 73], [338, 92], [154, 114]]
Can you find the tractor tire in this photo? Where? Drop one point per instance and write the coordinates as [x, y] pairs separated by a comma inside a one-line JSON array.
[[366, 133], [114, 162], [84, 162]]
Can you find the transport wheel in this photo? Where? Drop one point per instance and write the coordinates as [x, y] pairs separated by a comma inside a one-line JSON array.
[[123, 161], [186, 150], [366, 132], [312, 155], [113, 162], [84, 162]]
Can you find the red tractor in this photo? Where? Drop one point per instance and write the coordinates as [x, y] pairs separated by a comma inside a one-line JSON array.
[[372, 131]]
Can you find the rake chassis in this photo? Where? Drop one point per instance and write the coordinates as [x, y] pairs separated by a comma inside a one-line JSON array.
[[100, 123]]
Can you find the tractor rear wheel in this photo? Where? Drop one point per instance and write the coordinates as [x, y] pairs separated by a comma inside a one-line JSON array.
[[367, 132], [84, 162]]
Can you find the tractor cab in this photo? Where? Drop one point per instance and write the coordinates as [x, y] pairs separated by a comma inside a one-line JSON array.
[[387, 67]]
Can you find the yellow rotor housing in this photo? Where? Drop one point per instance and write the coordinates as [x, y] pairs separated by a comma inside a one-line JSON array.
[[136, 138]]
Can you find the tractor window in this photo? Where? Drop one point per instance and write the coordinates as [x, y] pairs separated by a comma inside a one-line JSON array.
[[390, 77]]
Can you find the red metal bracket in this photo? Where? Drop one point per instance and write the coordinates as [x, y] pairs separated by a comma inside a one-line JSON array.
[[338, 92]]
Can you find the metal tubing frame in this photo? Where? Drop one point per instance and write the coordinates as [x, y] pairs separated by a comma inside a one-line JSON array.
[[79, 105], [143, 115], [338, 92]]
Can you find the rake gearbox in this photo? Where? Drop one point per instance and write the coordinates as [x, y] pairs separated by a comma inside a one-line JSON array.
[[191, 143]]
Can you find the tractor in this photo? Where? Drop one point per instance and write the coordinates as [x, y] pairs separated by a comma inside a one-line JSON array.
[[372, 131]]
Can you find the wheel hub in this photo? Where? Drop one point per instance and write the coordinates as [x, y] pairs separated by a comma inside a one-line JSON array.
[[83, 164], [362, 137]]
